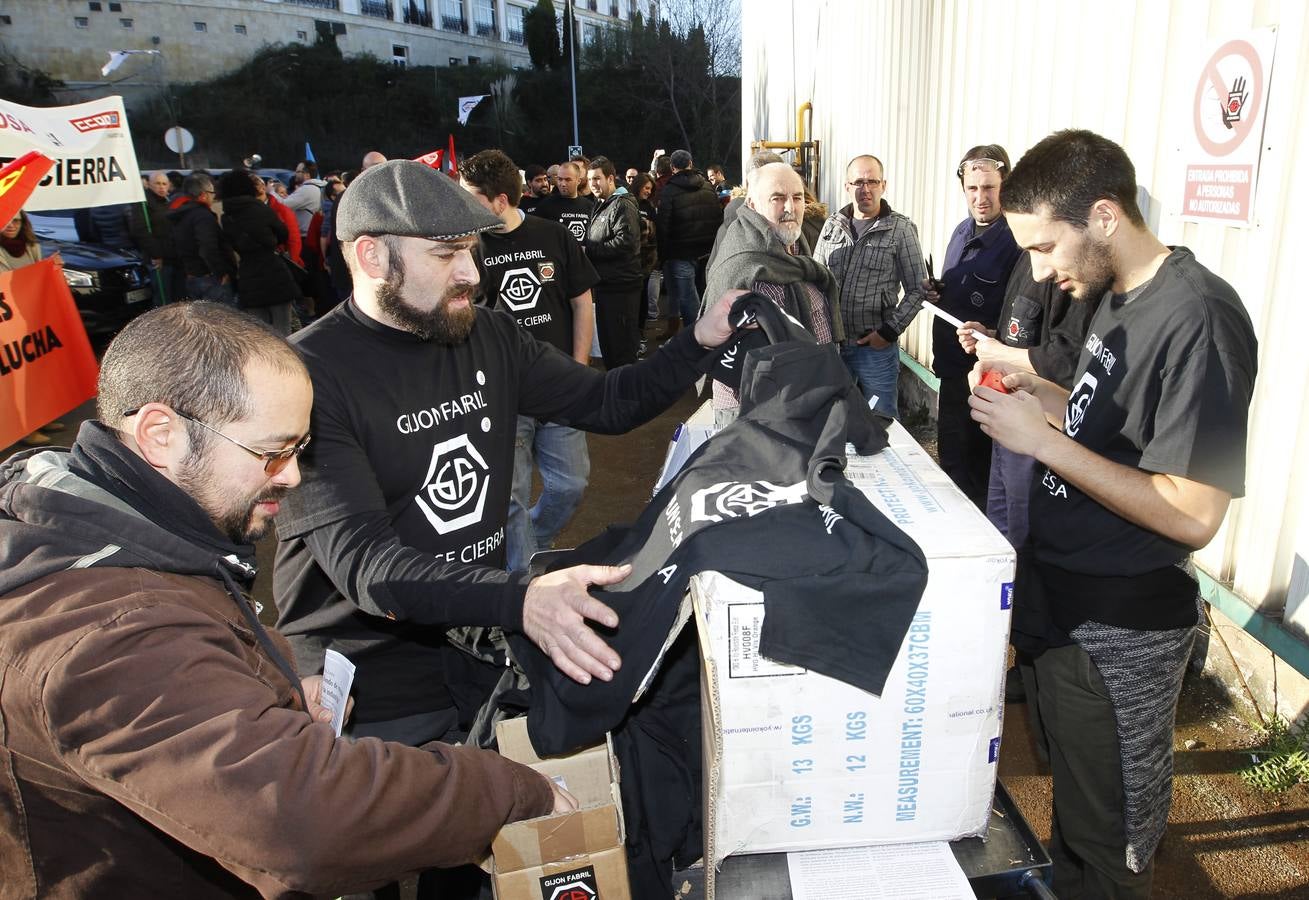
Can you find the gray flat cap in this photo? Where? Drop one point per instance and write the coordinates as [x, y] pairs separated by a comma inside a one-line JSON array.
[[409, 199]]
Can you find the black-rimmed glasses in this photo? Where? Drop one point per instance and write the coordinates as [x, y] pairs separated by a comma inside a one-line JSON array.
[[274, 460]]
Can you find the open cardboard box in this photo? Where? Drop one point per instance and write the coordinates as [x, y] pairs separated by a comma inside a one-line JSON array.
[[571, 856]]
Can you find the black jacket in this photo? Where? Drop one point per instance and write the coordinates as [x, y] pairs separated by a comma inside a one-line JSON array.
[[199, 240], [254, 231], [155, 238], [613, 241], [689, 216]]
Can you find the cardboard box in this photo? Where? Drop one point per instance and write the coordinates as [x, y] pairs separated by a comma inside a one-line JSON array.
[[798, 761], [572, 856]]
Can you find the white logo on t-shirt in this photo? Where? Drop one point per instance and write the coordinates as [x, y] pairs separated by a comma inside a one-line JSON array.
[[520, 289], [1078, 401], [739, 500], [454, 493]]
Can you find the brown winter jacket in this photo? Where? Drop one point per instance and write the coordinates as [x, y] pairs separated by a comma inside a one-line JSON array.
[[151, 747]]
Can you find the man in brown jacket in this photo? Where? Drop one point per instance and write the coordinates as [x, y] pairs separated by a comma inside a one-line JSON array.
[[155, 739]]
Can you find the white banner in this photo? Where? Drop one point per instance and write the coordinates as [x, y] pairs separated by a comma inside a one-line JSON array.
[[95, 162], [467, 105]]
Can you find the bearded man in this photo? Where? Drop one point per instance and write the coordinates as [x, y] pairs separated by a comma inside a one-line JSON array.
[[398, 532]]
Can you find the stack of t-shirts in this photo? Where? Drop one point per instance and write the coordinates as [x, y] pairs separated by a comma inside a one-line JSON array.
[[765, 502]]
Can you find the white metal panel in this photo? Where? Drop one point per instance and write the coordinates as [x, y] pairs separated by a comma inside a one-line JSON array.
[[918, 82]]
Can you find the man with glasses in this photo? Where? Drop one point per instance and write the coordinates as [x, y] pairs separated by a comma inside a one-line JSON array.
[[204, 253], [875, 256], [157, 738], [978, 261]]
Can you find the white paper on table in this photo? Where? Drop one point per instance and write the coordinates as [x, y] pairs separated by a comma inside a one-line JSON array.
[[338, 675], [926, 871]]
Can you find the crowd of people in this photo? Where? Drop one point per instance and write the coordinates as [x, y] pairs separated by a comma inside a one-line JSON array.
[[153, 725]]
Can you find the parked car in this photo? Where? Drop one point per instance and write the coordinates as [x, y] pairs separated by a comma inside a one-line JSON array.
[[110, 287]]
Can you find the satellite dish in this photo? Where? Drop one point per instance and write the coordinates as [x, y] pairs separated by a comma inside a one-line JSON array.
[[179, 140]]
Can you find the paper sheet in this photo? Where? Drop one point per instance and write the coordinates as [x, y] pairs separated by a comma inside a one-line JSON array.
[[891, 872], [953, 320], [338, 675]]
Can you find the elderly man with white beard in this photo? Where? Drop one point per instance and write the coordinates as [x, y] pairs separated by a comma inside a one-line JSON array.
[[759, 252]]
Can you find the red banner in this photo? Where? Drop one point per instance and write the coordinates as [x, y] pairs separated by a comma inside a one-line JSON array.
[[432, 159], [47, 366], [18, 180]]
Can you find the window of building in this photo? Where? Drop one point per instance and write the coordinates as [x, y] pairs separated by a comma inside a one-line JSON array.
[[400, 55], [126, 23], [590, 34], [94, 5], [378, 9], [452, 15], [239, 29], [417, 12], [201, 26], [474, 60], [515, 33], [484, 17], [81, 21], [454, 60], [302, 35], [115, 7], [6, 20]]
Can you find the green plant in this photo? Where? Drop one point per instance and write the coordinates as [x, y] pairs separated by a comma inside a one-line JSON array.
[[1282, 759]]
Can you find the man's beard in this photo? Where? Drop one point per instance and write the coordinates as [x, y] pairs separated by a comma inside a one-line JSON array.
[[788, 232], [1094, 268], [234, 519], [442, 324]]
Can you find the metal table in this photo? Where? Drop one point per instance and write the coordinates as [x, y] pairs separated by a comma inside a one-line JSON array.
[[1010, 863]]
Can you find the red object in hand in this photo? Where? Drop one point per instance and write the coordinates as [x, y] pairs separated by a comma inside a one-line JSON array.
[[994, 380]]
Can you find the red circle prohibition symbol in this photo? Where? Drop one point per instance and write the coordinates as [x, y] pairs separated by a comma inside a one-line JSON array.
[[1211, 75]]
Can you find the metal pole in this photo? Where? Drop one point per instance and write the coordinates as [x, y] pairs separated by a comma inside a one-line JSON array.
[[571, 24]]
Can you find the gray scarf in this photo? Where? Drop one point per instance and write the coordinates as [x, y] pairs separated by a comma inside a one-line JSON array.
[[751, 251]]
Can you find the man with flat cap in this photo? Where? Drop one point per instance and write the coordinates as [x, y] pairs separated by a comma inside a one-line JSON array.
[[398, 531]]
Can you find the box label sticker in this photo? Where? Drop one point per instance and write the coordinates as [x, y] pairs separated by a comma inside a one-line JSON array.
[[1007, 595], [994, 753], [578, 884], [744, 621]]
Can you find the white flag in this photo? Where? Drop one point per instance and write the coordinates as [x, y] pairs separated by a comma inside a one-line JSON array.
[[116, 58], [466, 106]]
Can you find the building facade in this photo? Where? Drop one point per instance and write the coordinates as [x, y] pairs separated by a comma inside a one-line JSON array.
[[200, 39]]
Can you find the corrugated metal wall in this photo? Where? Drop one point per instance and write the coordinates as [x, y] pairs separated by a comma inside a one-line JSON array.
[[917, 82]]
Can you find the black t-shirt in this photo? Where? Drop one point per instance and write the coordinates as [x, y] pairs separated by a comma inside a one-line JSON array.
[[573, 214], [1046, 321], [532, 273], [528, 204], [1164, 385], [397, 529]]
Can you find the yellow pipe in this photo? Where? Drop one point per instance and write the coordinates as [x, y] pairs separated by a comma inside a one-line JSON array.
[[799, 120]]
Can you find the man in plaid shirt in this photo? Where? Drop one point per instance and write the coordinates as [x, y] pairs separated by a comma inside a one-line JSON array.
[[874, 253]]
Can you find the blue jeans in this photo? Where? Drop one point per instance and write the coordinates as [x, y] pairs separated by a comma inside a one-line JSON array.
[[1007, 493], [207, 287], [560, 453], [679, 276], [877, 372]]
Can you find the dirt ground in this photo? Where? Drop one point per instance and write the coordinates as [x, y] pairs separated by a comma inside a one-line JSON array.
[[1225, 840]]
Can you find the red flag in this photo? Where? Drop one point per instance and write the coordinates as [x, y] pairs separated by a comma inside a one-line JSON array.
[[46, 364], [432, 159], [18, 180], [453, 171]]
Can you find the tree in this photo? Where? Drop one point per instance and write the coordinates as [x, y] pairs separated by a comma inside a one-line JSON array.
[[541, 28]]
